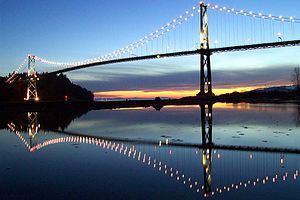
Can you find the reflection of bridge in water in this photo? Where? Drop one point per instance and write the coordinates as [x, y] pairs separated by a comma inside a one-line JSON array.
[[224, 168]]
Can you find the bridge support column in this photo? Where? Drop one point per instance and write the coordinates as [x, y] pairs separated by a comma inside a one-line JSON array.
[[206, 125], [205, 69], [32, 79]]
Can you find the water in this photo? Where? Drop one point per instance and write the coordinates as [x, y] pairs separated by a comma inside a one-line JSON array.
[[249, 151]]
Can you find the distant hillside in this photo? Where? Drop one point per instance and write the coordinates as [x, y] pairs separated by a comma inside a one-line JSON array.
[[271, 94], [277, 89], [49, 87]]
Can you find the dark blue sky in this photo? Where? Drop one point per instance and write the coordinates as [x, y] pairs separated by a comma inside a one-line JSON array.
[[64, 30]]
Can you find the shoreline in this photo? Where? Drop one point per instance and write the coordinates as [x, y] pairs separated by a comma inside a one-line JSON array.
[[155, 103]]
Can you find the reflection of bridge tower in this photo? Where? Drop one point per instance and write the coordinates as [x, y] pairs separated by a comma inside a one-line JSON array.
[[32, 79], [33, 127], [206, 124], [205, 69]]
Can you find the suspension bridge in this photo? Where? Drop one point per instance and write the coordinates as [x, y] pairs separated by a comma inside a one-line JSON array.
[[203, 30], [223, 168]]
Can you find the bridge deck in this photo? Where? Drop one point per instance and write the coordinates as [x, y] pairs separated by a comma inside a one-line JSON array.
[[184, 53]]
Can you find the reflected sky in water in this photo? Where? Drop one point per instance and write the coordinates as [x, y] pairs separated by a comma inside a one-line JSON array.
[[142, 153]]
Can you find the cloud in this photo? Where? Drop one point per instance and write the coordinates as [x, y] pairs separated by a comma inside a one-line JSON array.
[[144, 68], [186, 80], [253, 77]]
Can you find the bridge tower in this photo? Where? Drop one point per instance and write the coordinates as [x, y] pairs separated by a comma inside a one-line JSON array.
[[32, 79], [206, 124], [205, 69]]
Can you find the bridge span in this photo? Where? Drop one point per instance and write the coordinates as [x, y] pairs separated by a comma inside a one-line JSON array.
[[184, 53]]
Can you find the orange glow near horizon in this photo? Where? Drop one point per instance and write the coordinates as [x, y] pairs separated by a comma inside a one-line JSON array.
[[167, 93]]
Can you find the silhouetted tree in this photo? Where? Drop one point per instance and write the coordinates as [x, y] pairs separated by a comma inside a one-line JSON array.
[[298, 117], [295, 78]]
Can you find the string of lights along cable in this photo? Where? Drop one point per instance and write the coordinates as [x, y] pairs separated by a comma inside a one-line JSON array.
[[227, 27]]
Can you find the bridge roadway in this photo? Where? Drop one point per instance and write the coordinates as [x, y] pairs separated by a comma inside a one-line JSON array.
[[187, 145], [184, 53]]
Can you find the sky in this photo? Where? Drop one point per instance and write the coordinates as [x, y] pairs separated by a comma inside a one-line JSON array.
[[63, 30]]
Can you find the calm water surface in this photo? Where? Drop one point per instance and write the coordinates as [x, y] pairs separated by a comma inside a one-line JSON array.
[[227, 151]]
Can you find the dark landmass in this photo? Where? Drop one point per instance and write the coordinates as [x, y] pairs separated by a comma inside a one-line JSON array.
[[49, 88], [261, 96], [55, 118]]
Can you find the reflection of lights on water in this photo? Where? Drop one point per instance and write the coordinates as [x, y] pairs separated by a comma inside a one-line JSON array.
[[128, 151]]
